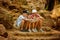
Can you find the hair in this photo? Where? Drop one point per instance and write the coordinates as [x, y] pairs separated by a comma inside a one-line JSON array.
[[25, 11]]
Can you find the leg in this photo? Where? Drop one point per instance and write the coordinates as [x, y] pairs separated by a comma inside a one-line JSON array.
[[22, 24], [36, 24], [28, 26], [27, 23], [33, 25], [39, 24]]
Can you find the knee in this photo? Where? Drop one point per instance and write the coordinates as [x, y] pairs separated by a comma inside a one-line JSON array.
[[23, 21], [41, 20]]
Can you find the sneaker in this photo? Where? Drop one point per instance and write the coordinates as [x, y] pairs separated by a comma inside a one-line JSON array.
[[29, 30], [34, 30]]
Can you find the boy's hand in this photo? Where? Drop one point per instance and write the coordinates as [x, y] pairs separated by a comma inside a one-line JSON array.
[[41, 18], [28, 20]]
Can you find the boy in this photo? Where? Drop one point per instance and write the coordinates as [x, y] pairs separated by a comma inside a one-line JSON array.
[[21, 20], [37, 20]]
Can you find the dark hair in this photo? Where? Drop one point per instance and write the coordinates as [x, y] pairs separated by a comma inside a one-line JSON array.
[[25, 11]]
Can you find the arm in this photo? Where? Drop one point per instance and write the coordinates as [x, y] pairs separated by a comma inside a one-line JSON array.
[[26, 19], [40, 17]]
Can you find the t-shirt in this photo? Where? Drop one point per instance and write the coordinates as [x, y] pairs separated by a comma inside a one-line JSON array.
[[32, 16], [19, 20], [35, 17]]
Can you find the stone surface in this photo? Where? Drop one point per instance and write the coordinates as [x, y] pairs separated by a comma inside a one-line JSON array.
[[2, 29], [17, 35], [2, 38]]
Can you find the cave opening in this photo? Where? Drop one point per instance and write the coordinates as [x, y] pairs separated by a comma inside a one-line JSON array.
[[50, 4]]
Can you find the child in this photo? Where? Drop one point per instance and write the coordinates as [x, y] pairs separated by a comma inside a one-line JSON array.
[[37, 20], [21, 20]]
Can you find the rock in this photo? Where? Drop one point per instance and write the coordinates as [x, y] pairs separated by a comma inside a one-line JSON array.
[[56, 12], [2, 38], [10, 37], [2, 29]]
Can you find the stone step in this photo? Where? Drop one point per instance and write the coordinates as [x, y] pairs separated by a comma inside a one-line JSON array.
[[34, 35], [2, 29], [35, 38]]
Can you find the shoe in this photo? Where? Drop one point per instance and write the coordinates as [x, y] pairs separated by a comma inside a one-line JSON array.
[[29, 30], [34, 30]]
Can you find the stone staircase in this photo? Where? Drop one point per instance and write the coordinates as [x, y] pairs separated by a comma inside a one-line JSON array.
[[17, 35]]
